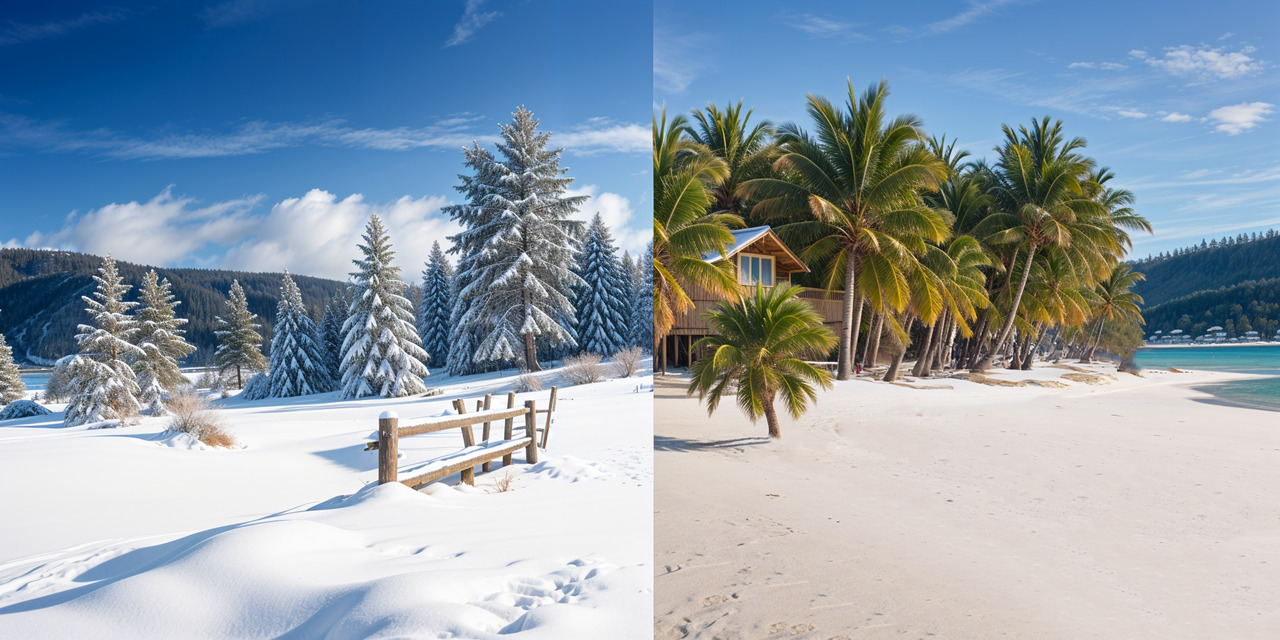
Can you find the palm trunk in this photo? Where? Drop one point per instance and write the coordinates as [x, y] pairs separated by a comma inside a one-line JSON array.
[[771, 417], [1101, 323], [873, 342], [899, 354], [969, 356], [942, 356], [1013, 313], [852, 317], [923, 363]]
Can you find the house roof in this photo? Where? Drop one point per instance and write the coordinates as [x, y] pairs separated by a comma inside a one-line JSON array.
[[743, 238]]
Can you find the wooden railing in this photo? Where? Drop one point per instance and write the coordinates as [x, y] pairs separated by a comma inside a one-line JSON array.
[[473, 453]]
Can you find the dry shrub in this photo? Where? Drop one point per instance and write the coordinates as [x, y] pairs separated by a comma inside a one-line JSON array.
[[209, 380], [627, 361], [584, 368], [194, 415], [503, 484], [527, 382]]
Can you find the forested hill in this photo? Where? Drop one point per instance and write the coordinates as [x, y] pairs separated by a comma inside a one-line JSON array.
[[1252, 305], [40, 303], [1209, 266]]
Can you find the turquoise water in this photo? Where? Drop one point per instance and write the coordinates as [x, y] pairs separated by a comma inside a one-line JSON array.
[[1263, 359]]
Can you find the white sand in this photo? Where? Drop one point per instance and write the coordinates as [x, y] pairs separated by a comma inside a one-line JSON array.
[[1138, 509]]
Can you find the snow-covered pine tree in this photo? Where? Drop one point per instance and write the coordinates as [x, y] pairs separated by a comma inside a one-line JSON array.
[[630, 274], [239, 344], [104, 386], [603, 298], [436, 305], [298, 366], [642, 302], [335, 313], [479, 210], [11, 385], [381, 352], [516, 228], [159, 337]]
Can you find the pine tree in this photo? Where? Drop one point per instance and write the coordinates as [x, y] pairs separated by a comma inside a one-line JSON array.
[[103, 385], [604, 294], [159, 338], [515, 291], [436, 306], [381, 352], [239, 344], [298, 366], [479, 210], [11, 385], [335, 313], [642, 302]]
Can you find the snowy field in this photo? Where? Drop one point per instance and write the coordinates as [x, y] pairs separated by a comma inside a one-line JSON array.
[[124, 533]]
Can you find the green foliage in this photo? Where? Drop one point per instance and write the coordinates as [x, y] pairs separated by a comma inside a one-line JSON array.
[[1219, 265], [1255, 304]]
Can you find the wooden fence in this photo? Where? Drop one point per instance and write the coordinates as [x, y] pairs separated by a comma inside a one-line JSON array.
[[473, 453]]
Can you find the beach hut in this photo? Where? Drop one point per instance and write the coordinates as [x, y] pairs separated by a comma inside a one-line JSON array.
[[758, 257]]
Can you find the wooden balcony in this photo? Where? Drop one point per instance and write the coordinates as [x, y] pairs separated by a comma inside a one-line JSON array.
[[829, 305]]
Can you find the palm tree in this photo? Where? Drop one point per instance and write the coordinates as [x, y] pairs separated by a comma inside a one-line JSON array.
[[757, 349], [683, 230], [744, 147], [857, 181], [1115, 300], [1042, 203]]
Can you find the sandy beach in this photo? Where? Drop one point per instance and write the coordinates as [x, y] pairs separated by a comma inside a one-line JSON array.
[[1139, 508]]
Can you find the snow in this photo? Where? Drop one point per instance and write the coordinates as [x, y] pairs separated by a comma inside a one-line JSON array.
[[131, 532]]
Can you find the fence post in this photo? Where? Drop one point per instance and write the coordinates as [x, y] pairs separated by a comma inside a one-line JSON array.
[[551, 406], [388, 444], [468, 440], [507, 427], [488, 397], [531, 430]]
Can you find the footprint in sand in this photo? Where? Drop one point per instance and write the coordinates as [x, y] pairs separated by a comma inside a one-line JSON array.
[[711, 601]]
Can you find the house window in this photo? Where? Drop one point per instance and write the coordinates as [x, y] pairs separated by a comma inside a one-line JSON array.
[[753, 269]]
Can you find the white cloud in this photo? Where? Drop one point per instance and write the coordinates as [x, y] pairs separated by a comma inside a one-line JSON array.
[[823, 27], [677, 59], [1177, 117], [1082, 65], [19, 32], [317, 234], [163, 230], [1238, 118], [1129, 113], [593, 136], [1108, 66], [976, 10], [1203, 63], [616, 212], [472, 21]]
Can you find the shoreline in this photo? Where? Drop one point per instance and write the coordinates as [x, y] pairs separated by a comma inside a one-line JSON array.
[[1128, 509], [1205, 346]]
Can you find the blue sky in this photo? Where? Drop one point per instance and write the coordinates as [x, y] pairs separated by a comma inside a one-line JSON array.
[[1178, 98], [260, 134]]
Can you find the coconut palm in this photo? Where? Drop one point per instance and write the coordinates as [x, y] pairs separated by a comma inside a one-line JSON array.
[[744, 147], [856, 182], [683, 230], [758, 350], [1042, 203], [1115, 300]]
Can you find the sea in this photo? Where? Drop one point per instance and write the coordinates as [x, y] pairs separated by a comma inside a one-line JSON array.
[[1262, 393]]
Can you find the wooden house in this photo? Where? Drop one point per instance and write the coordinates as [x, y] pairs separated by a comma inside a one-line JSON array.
[[758, 256]]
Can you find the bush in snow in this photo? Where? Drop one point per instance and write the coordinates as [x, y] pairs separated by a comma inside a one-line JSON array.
[[11, 386], [298, 366], [103, 384], [22, 409], [627, 361], [527, 382], [257, 388], [381, 352], [192, 414], [517, 247], [209, 380], [584, 368], [159, 337], [239, 345]]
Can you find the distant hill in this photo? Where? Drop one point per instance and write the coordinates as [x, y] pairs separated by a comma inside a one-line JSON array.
[[1252, 305], [40, 303], [1209, 266]]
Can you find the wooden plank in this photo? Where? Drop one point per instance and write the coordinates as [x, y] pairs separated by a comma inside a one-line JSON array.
[[388, 439], [453, 422], [551, 406], [468, 462], [468, 440], [487, 398], [507, 426], [531, 431]]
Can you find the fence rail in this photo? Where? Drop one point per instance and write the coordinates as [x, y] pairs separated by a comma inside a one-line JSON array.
[[473, 453]]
